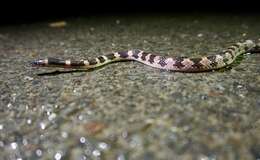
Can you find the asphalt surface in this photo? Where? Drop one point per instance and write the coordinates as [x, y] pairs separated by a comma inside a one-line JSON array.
[[127, 110]]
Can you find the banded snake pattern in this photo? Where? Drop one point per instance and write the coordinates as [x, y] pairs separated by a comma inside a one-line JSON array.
[[180, 64]]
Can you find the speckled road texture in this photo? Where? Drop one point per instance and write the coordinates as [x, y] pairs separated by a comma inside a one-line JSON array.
[[126, 110]]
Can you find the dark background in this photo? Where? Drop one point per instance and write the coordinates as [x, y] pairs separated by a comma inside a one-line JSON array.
[[13, 12]]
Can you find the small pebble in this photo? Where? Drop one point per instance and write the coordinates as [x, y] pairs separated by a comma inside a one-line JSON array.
[[52, 117], [96, 153], [25, 142], [117, 21], [14, 145], [58, 156], [121, 157], [82, 140], [39, 152], [42, 125], [9, 105], [58, 24], [28, 78], [102, 145], [200, 35], [2, 144], [64, 134], [81, 117]]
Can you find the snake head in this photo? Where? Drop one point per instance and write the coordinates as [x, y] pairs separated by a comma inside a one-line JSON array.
[[249, 44], [252, 47]]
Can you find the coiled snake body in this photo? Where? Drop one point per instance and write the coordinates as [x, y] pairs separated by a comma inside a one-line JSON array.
[[181, 64]]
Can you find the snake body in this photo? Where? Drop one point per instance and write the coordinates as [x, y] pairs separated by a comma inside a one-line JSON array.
[[181, 64]]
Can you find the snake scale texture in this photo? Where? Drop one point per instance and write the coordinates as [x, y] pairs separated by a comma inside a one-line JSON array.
[[180, 64]]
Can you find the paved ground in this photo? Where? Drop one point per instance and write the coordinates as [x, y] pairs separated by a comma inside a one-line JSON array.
[[126, 110]]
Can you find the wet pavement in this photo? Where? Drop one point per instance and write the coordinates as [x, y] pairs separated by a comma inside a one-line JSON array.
[[126, 110]]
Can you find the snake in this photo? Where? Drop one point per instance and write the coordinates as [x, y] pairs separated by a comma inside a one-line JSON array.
[[178, 64]]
